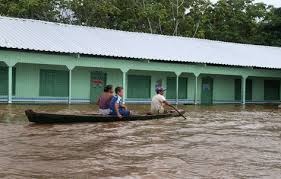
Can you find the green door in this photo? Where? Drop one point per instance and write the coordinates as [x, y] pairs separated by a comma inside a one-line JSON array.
[[4, 77], [249, 90], [237, 89], [98, 82], [207, 91], [272, 90], [183, 88], [172, 87], [3, 81], [139, 87]]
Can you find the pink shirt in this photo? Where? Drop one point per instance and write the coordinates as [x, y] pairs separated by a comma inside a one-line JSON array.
[[104, 101]]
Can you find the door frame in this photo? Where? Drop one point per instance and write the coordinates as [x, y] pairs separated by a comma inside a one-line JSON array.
[[91, 84], [211, 81]]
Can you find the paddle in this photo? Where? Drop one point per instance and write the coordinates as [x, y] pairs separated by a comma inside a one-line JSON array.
[[177, 110]]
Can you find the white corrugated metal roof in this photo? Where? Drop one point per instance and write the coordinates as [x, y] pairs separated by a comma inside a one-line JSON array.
[[54, 37]]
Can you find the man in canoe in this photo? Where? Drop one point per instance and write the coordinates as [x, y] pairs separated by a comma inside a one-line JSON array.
[[158, 101], [117, 108], [104, 100]]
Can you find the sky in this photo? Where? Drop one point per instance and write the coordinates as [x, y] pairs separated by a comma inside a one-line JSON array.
[[276, 3]]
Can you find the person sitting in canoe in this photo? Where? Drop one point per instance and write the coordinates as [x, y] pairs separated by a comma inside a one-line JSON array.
[[158, 101], [104, 100], [117, 108]]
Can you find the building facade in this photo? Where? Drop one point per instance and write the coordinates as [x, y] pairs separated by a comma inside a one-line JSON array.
[[52, 75]]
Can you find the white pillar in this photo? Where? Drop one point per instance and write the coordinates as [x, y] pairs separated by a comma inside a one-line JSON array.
[[243, 89], [196, 89], [10, 83], [124, 79], [70, 86], [177, 89], [70, 68]]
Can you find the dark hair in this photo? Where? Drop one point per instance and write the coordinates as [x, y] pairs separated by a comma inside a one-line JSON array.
[[118, 89], [107, 88]]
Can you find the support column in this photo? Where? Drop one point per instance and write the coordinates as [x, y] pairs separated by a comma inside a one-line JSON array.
[[10, 83], [196, 89], [243, 89], [70, 68], [69, 86], [124, 85], [177, 89]]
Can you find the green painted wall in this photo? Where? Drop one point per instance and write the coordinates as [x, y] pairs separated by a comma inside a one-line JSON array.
[[27, 80], [28, 65], [114, 77], [13, 57], [81, 83], [190, 86], [81, 77], [224, 88]]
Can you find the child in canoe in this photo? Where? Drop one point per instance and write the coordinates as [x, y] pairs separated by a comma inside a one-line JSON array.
[[117, 108]]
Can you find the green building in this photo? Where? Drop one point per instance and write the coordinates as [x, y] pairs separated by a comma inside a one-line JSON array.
[[43, 62]]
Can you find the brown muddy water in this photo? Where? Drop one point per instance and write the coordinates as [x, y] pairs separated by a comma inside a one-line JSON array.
[[214, 142]]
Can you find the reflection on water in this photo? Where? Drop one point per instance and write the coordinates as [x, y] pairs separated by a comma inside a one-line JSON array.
[[214, 142]]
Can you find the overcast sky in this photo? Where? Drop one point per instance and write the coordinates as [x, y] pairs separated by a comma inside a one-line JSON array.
[[276, 3]]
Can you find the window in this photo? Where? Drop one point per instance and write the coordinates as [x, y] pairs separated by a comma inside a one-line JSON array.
[[139, 87], [171, 88], [272, 90], [53, 83], [238, 89], [4, 78]]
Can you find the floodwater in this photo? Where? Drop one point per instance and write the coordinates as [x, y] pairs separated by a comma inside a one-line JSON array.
[[214, 142]]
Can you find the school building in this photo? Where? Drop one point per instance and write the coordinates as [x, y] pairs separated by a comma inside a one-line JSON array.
[[44, 62]]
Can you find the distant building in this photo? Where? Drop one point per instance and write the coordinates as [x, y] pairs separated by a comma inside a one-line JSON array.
[[50, 62]]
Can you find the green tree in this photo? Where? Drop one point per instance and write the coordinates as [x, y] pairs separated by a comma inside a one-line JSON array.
[[35, 9], [95, 12], [235, 21], [271, 27]]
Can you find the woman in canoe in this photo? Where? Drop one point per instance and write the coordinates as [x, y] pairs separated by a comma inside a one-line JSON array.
[[104, 100]]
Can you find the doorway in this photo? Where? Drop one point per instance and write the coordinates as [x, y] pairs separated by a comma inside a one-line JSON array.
[[98, 82], [207, 91]]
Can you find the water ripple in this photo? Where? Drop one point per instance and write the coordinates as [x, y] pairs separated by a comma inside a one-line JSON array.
[[214, 142]]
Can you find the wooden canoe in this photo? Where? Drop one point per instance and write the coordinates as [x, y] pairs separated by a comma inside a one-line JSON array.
[[42, 117]]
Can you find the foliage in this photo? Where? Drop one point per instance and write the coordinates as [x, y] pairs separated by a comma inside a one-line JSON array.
[[271, 28], [34, 9]]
